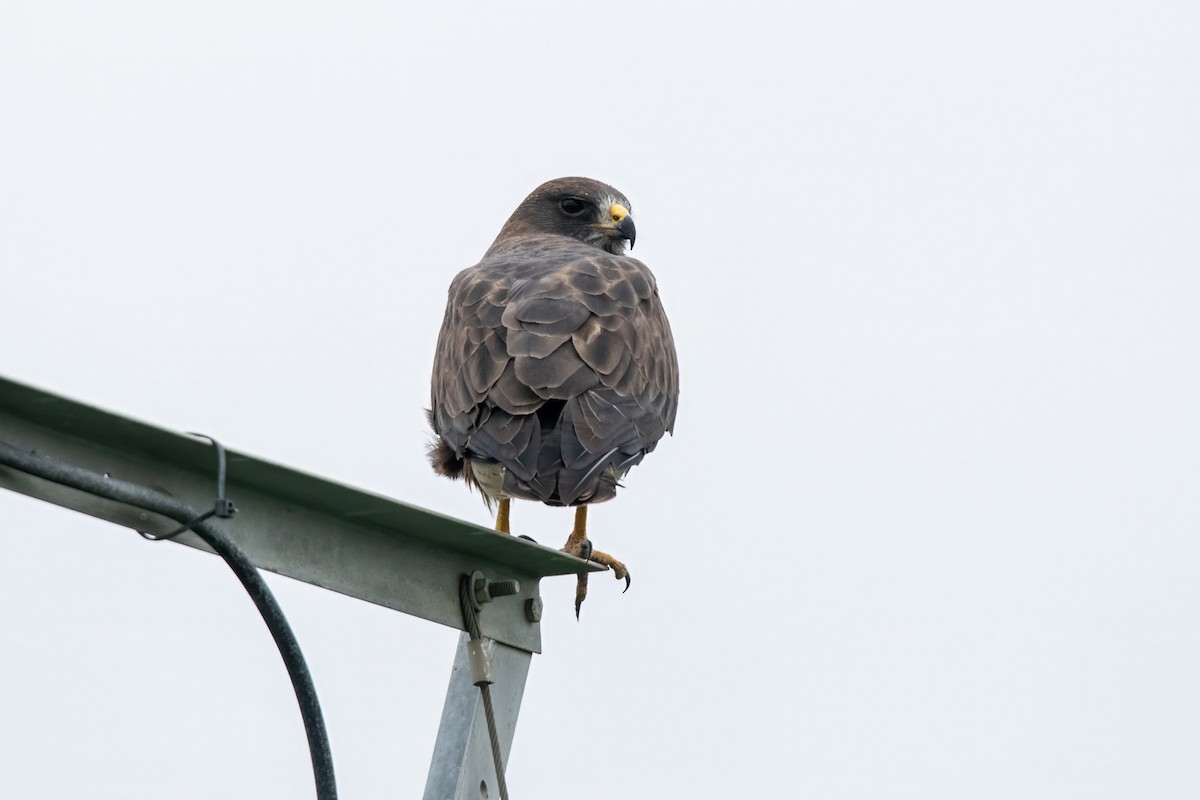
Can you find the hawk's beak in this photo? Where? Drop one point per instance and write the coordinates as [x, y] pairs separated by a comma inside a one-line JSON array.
[[623, 223]]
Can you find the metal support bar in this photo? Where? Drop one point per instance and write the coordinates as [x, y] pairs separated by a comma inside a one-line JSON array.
[[314, 530], [462, 767], [324, 533]]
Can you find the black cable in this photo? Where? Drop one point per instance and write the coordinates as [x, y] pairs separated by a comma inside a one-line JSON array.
[[132, 494]]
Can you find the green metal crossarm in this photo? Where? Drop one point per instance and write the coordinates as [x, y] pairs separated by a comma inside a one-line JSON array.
[[325, 533]]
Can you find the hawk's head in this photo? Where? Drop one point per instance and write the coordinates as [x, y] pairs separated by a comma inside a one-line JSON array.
[[584, 209]]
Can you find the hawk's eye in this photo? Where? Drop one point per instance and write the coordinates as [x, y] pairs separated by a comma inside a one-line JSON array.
[[572, 206]]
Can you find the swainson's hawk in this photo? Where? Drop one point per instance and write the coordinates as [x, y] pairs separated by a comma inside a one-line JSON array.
[[555, 370]]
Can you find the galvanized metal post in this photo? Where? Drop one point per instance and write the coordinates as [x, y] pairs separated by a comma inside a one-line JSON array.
[[462, 767]]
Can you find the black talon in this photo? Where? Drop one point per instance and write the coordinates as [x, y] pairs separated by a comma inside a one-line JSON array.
[[628, 582], [527, 538], [581, 583], [585, 549]]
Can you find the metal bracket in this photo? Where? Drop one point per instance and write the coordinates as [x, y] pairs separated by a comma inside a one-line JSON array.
[[327, 534]]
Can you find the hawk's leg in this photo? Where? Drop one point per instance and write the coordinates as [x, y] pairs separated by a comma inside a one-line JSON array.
[[502, 516], [578, 536], [579, 545]]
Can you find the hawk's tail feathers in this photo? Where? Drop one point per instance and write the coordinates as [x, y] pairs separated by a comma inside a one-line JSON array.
[[446, 462], [449, 465], [442, 458]]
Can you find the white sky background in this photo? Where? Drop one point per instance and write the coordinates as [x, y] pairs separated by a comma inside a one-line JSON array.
[[928, 527]]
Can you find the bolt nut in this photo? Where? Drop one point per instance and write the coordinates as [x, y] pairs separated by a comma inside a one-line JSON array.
[[533, 609]]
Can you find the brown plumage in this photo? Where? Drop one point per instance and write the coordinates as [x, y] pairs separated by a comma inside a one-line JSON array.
[[555, 358], [555, 370]]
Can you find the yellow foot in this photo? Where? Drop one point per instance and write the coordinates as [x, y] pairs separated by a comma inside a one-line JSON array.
[[502, 516], [583, 549]]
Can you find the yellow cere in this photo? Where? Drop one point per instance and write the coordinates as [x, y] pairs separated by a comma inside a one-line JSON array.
[[619, 212]]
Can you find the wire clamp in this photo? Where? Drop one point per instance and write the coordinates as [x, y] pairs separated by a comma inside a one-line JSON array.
[[474, 591], [223, 507]]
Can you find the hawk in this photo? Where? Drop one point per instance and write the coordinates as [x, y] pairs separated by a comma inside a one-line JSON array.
[[555, 370]]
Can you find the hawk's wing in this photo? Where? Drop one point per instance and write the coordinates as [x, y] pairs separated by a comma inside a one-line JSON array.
[[556, 360]]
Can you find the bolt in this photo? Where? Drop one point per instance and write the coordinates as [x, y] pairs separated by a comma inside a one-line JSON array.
[[485, 591], [503, 588]]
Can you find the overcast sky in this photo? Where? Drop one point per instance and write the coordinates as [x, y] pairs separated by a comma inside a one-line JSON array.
[[928, 527]]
